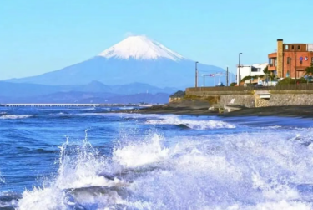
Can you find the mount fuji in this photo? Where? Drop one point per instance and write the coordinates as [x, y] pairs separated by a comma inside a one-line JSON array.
[[135, 59]]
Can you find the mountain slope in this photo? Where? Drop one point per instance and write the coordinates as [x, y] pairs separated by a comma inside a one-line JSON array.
[[139, 47], [76, 97], [18, 90], [135, 59]]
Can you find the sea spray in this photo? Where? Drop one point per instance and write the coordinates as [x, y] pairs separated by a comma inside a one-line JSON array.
[[2, 180], [79, 166], [140, 154], [252, 170]]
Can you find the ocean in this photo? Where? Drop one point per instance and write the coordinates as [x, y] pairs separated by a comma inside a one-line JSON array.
[[89, 158]]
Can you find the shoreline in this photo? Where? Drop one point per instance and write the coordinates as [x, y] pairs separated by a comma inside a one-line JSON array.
[[303, 111]]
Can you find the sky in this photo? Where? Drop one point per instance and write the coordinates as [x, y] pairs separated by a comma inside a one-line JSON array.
[[39, 36]]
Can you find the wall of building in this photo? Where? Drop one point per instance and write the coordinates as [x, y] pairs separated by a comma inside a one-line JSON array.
[[294, 61], [247, 70], [286, 61]]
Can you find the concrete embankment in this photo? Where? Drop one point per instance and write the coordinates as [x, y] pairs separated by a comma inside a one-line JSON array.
[[240, 101], [275, 96], [280, 100]]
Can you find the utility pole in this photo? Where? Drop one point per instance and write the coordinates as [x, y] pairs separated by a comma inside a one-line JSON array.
[[295, 67], [196, 74], [203, 80], [227, 76], [239, 69]]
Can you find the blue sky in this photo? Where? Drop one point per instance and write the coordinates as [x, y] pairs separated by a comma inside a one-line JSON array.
[[39, 36]]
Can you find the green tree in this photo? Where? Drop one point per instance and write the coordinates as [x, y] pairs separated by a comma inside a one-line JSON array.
[[269, 74], [309, 70], [232, 84], [266, 71]]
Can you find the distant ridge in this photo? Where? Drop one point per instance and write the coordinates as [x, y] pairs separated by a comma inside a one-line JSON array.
[[9, 89]]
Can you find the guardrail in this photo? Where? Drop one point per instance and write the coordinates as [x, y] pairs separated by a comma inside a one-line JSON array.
[[247, 88]]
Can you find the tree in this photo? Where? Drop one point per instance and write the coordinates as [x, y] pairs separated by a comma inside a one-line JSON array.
[[179, 93], [309, 70], [232, 84], [266, 71]]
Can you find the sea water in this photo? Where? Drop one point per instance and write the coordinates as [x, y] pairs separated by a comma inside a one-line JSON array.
[[92, 158]]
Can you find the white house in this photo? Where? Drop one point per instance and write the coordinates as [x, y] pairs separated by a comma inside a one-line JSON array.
[[250, 70]]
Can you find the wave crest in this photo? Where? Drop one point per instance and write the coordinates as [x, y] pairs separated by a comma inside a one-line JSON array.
[[192, 124], [14, 117]]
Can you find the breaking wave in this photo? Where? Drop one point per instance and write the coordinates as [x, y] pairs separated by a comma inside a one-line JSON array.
[[2, 180], [14, 117], [192, 124], [126, 108], [249, 171]]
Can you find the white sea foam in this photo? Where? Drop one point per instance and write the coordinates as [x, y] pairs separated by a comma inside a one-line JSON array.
[[2, 180], [78, 171], [247, 171], [139, 155], [191, 123], [14, 117], [126, 108]]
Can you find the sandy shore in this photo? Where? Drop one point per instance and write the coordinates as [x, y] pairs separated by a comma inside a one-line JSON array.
[[291, 111], [287, 111]]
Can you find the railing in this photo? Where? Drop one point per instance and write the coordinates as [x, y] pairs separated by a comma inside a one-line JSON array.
[[249, 88]]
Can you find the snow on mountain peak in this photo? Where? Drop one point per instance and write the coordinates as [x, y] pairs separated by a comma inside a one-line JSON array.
[[140, 47]]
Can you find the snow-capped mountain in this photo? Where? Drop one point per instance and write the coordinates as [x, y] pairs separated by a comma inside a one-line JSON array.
[[135, 59], [140, 47]]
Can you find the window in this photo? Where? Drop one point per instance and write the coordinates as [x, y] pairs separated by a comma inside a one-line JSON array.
[[293, 47], [288, 60], [300, 61], [288, 73], [275, 62], [253, 69], [286, 47], [298, 47], [312, 60]]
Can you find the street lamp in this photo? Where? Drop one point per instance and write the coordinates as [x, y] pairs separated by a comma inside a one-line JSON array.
[[196, 74], [239, 68]]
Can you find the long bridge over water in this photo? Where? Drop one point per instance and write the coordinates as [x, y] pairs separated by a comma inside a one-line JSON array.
[[67, 105]]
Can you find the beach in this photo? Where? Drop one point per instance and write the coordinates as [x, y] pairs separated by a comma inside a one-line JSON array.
[[304, 111]]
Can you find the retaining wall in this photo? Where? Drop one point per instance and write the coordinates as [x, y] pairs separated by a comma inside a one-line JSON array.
[[250, 98]]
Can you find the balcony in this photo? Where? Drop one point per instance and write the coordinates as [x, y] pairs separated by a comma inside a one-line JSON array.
[[271, 67], [272, 55]]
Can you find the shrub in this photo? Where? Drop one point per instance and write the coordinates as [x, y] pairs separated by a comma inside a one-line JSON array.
[[289, 81], [179, 93]]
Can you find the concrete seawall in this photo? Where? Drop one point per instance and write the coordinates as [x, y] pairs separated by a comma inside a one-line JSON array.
[[249, 98]]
